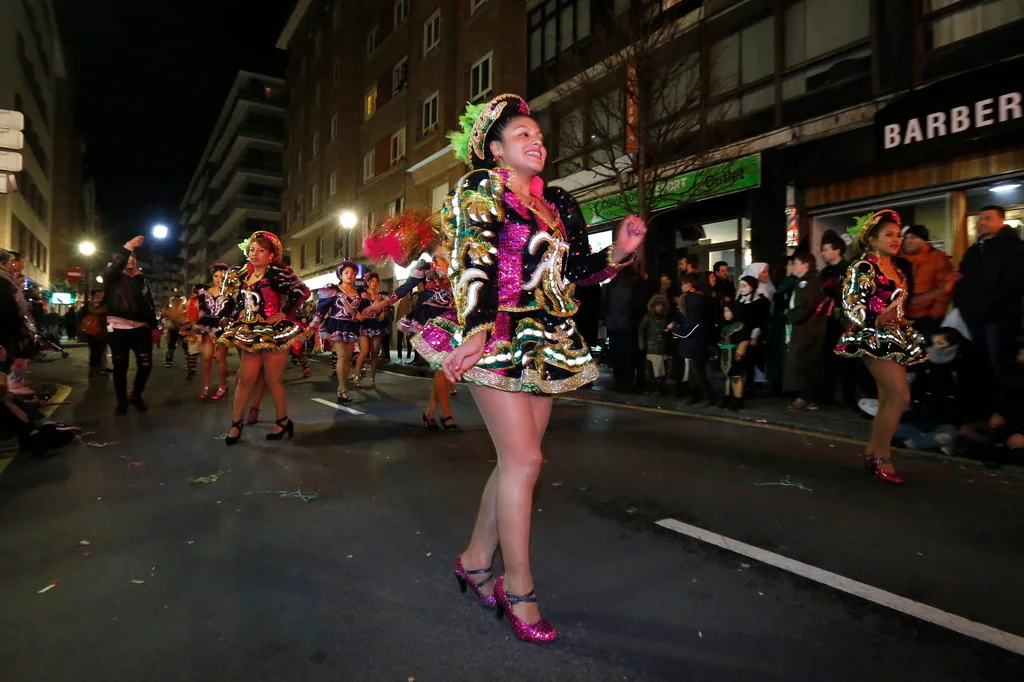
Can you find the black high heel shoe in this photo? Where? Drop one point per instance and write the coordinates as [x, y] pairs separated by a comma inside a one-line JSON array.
[[448, 424], [228, 440], [287, 427], [429, 424]]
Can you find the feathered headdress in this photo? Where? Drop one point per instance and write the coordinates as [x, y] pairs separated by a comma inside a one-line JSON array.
[[402, 238], [468, 140]]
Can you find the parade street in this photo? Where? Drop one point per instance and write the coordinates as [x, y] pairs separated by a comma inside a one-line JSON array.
[[664, 547]]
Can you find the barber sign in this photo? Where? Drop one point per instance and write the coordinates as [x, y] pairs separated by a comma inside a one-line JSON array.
[[979, 104]]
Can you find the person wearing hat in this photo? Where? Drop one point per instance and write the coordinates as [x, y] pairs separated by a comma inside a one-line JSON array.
[[930, 272], [874, 293], [338, 321]]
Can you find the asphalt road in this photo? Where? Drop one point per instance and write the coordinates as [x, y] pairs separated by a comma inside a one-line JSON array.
[[237, 583]]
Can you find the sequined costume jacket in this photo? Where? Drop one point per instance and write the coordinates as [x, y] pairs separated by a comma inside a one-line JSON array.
[[337, 313], [210, 307], [866, 294], [513, 279], [246, 308]]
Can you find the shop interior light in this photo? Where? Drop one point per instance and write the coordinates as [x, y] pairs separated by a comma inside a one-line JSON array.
[[1008, 187]]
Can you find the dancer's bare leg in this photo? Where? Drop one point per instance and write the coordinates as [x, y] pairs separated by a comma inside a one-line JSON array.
[[248, 374]]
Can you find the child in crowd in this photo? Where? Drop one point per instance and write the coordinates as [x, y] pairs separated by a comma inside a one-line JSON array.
[[733, 346], [652, 342]]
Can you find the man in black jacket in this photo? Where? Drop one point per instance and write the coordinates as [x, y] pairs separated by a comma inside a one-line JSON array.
[[131, 319], [991, 283]]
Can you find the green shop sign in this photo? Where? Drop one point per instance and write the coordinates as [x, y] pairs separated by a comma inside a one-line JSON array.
[[714, 181]]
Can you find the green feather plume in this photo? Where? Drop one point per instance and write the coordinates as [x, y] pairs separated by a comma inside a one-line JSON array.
[[460, 138]]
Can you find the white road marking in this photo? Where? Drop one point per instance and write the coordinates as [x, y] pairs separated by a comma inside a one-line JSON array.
[[979, 631], [343, 408]]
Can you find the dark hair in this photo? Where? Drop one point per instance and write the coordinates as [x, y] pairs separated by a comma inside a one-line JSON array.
[[918, 231], [268, 245], [223, 267], [998, 209], [952, 335], [751, 282], [888, 218], [832, 238], [719, 264], [371, 275], [805, 258], [508, 114], [344, 265], [93, 292], [692, 259]]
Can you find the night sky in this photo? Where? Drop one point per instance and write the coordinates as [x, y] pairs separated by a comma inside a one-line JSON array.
[[151, 78]]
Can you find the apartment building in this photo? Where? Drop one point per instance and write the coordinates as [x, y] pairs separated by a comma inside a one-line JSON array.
[[236, 187], [374, 90], [829, 109], [31, 66]]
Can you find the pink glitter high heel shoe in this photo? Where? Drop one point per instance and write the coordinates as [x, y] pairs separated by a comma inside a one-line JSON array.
[[465, 581], [883, 475], [541, 631]]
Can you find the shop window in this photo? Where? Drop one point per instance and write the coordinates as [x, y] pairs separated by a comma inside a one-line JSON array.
[[968, 19]]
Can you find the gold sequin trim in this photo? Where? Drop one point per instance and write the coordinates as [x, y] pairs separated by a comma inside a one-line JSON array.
[[612, 263]]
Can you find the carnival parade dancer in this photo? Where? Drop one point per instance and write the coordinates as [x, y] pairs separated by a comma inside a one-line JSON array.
[[517, 249], [210, 304], [191, 339], [371, 330], [874, 292], [338, 320], [260, 299]]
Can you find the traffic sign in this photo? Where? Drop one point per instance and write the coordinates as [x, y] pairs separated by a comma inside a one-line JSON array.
[[10, 161], [12, 119], [75, 273]]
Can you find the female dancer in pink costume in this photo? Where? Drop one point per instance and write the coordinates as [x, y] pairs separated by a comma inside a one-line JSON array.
[[517, 251]]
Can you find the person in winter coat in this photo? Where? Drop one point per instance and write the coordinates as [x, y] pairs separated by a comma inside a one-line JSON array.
[[131, 317], [991, 283], [691, 331], [757, 315], [806, 336], [733, 348], [839, 372], [652, 342], [778, 329], [930, 271]]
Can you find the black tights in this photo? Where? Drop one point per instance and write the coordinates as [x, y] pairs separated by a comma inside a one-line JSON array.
[[138, 341], [97, 345]]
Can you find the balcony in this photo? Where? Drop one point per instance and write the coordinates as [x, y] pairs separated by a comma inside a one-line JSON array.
[[196, 235], [198, 213], [243, 206], [268, 95]]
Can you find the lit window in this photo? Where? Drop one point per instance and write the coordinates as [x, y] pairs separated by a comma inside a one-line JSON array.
[[400, 76], [401, 12], [372, 40], [316, 144], [430, 114], [369, 165], [432, 32], [334, 126], [398, 147], [480, 79], [332, 184], [370, 103]]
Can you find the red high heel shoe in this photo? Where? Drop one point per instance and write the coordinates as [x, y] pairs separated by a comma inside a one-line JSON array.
[[883, 475], [205, 395], [541, 631], [465, 581], [221, 392]]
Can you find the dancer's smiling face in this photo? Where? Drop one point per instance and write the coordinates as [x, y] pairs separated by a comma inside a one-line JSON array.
[[521, 147]]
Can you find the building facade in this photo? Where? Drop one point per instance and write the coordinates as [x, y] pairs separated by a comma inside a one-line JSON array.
[[374, 91], [236, 187], [827, 109], [31, 68]]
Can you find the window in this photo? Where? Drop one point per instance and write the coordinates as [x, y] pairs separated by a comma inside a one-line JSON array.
[[480, 79], [400, 76], [474, 5], [432, 32], [316, 144], [740, 59], [367, 225], [396, 206], [302, 257], [335, 70], [817, 28], [332, 184], [339, 245], [401, 12], [437, 196], [314, 197], [973, 18], [372, 41], [556, 26], [370, 103], [398, 147], [334, 126], [430, 114], [369, 165], [319, 250]]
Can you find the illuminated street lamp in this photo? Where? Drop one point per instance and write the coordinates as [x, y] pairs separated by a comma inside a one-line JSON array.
[[347, 220], [160, 231], [99, 279], [87, 248]]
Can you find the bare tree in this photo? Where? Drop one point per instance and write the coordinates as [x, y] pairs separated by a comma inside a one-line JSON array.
[[640, 116]]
